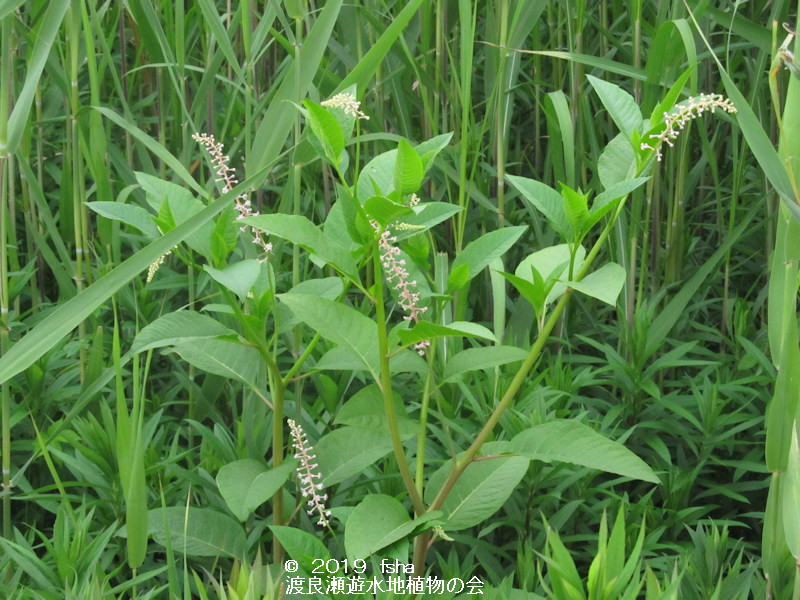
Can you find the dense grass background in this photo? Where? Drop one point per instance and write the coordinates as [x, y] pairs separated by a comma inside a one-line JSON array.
[[92, 93]]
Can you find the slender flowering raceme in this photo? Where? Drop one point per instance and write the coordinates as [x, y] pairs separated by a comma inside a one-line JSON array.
[[348, 103], [153, 268], [226, 175], [676, 119], [308, 474], [394, 269]]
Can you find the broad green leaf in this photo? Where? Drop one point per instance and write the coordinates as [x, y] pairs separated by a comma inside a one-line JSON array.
[[132, 215], [197, 531], [429, 149], [532, 289], [425, 330], [182, 204], [476, 359], [408, 171], [576, 209], [247, 483], [385, 211], [377, 176], [366, 410], [605, 284], [176, 328], [479, 253], [222, 357], [377, 521], [300, 231], [619, 104], [347, 451], [427, 215], [552, 263], [240, 277], [481, 490], [300, 546], [617, 162], [327, 130], [338, 323], [617, 190], [573, 442], [545, 199]]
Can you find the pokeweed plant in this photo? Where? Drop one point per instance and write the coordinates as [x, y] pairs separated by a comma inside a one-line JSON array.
[[374, 240]]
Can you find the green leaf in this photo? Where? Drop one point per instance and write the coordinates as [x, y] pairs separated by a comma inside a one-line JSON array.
[[47, 333], [222, 357], [377, 176], [534, 291], [545, 199], [328, 131], [605, 200], [385, 211], [552, 263], [135, 216], [429, 149], [481, 490], [338, 323], [182, 204], [427, 215], [300, 231], [247, 483], [365, 409], [476, 359], [347, 451], [479, 253], [44, 38], [617, 162], [176, 328], [301, 546], [790, 496], [277, 120], [376, 522], [408, 171], [576, 209], [240, 277], [619, 104], [605, 284], [197, 531], [425, 330], [573, 442]]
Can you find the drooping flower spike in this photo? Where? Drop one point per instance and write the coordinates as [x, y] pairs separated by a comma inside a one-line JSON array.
[[677, 119], [394, 270], [308, 474], [226, 175]]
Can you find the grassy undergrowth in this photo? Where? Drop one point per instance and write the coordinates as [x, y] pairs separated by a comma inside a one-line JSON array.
[[620, 425]]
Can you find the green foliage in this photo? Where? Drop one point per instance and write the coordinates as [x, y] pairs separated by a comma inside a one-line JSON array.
[[471, 427]]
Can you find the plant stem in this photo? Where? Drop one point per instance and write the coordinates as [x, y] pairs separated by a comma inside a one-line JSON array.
[[386, 387]]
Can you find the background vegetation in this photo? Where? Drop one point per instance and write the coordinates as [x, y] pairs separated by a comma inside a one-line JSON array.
[[680, 370]]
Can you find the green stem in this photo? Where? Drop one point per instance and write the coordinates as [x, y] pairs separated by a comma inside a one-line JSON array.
[[386, 387]]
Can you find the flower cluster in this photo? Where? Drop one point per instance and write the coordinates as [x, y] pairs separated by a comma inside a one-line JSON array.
[[226, 175], [151, 271], [348, 103], [682, 114], [308, 475], [394, 269]]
